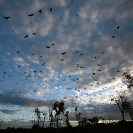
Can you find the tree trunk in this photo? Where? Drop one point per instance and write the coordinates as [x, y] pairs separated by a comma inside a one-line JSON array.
[[123, 118], [57, 122], [60, 123], [38, 122]]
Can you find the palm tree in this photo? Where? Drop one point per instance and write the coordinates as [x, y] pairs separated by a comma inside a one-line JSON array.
[[59, 108]]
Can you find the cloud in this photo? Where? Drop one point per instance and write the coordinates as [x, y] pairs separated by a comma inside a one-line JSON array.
[[8, 111], [20, 61], [33, 59], [16, 98]]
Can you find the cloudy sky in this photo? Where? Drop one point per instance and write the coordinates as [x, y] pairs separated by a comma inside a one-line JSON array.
[[71, 50]]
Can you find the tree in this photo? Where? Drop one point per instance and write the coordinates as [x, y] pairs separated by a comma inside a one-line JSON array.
[[38, 112], [119, 102], [123, 105], [44, 117], [1, 122], [128, 79], [78, 116], [94, 120], [66, 114], [84, 121], [59, 108], [128, 109]]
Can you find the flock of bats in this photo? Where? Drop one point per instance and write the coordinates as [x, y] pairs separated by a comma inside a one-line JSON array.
[[62, 53]]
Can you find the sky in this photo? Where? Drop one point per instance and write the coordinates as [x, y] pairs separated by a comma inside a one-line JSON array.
[[72, 50]]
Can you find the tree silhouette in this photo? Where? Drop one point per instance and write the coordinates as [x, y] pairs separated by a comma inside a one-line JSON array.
[[84, 121], [38, 112], [66, 114], [78, 116], [123, 105], [94, 120], [128, 108], [50, 117], [58, 107], [1, 122], [128, 79], [44, 117]]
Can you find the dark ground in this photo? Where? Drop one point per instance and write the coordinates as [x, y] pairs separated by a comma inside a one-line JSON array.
[[126, 127]]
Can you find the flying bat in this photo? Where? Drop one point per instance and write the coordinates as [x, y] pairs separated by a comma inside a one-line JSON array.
[[6, 17], [26, 36], [50, 10], [31, 15], [40, 11]]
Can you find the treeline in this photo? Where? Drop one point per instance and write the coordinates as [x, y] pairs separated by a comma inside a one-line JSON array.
[[55, 119]]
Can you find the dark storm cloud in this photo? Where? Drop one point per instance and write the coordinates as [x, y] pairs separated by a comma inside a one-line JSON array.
[[7, 111], [15, 98]]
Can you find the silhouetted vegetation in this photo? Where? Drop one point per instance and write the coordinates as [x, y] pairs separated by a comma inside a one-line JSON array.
[[119, 127], [67, 123], [128, 79], [85, 125], [1, 122], [123, 104], [58, 107]]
